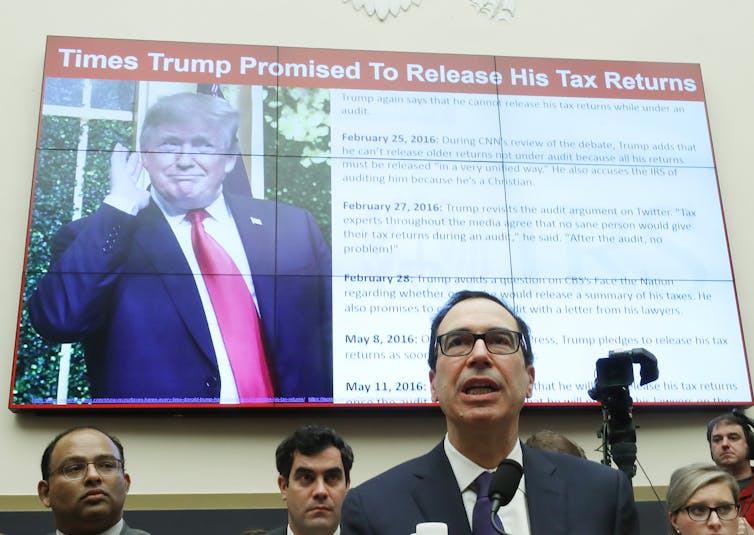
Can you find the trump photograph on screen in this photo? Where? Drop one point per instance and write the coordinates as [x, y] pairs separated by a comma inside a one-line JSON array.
[[178, 268]]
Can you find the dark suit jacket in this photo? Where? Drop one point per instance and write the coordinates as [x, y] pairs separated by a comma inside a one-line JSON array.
[[121, 285], [566, 495]]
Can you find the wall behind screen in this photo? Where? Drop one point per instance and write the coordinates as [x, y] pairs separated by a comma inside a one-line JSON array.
[[234, 454]]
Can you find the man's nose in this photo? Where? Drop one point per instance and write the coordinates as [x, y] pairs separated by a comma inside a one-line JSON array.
[[91, 472], [320, 489], [479, 354], [185, 157]]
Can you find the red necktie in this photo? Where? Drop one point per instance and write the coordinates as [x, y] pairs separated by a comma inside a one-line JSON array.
[[235, 311]]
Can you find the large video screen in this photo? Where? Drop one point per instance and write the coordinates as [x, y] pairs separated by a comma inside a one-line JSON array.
[[250, 226]]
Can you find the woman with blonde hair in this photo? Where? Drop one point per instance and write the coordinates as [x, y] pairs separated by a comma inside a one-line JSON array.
[[703, 499]]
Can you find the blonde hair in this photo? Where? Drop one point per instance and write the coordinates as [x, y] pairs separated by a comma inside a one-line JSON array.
[[687, 480]]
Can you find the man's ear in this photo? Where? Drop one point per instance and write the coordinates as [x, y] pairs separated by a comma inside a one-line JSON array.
[[230, 163], [43, 490], [127, 479], [283, 486], [530, 388], [432, 384]]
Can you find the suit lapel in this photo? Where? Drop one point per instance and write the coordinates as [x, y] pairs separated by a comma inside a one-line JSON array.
[[157, 241], [437, 495], [545, 494], [256, 224]]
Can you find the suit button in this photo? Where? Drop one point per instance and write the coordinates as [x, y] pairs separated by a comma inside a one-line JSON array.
[[211, 381]]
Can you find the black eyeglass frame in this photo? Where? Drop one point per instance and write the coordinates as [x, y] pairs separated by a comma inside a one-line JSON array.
[[519, 337], [709, 509]]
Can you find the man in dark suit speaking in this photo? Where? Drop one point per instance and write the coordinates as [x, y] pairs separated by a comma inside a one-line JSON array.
[[481, 371], [183, 292]]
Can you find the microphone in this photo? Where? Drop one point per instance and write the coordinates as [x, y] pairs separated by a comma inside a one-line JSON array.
[[504, 483], [503, 487]]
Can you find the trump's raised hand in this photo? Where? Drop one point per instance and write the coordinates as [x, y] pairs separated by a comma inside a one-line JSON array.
[[125, 169]]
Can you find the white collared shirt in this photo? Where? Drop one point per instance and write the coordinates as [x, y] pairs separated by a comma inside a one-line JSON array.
[[336, 532], [114, 530], [515, 515], [222, 227]]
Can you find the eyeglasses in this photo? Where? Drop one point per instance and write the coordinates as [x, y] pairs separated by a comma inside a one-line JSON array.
[[701, 513], [104, 467], [497, 342]]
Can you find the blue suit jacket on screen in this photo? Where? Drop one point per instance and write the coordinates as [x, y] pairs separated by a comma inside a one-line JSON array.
[[121, 285], [566, 495]]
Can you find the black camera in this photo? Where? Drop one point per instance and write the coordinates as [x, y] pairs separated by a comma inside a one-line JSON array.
[[614, 375], [617, 370]]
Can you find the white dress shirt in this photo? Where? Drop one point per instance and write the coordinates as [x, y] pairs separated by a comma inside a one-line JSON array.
[[115, 530], [515, 515], [336, 532]]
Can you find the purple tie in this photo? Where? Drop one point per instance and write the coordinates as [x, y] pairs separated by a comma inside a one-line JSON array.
[[481, 523]]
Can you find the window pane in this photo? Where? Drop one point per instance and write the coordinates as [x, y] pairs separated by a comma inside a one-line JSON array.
[[113, 95], [63, 91]]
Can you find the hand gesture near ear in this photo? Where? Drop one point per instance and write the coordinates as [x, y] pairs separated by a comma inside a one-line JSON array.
[[125, 170]]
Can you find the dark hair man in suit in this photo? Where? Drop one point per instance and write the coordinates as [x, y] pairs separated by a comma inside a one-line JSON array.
[[84, 483], [481, 372], [314, 467], [730, 441]]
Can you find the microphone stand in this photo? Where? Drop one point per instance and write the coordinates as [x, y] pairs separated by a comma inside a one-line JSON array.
[[503, 487], [493, 517]]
